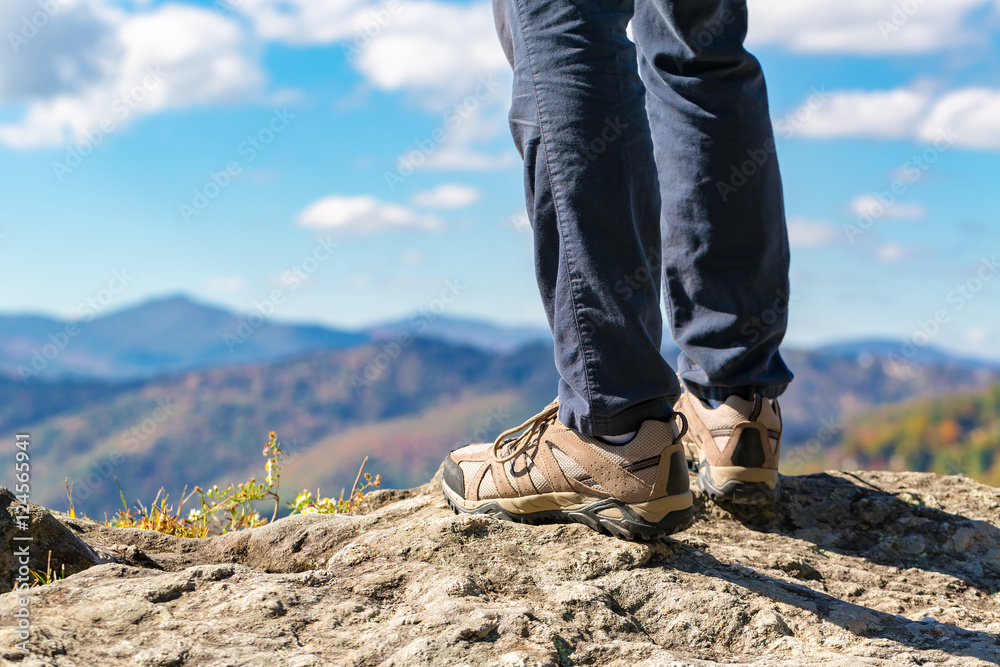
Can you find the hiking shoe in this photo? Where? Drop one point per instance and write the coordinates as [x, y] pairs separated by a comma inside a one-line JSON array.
[[734, 447], [544, 472]]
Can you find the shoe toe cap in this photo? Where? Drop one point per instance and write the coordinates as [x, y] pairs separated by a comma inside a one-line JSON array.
[[454, 477]]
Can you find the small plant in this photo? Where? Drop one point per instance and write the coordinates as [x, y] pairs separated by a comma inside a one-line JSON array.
[[235, 504], [307, 504], [69, 495], [159, 516], [50, 575], [233, 508]]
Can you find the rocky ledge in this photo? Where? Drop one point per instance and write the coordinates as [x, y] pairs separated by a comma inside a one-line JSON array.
[[850, 569]]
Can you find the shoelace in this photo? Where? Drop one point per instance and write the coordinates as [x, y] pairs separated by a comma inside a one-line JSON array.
[[535, 426]]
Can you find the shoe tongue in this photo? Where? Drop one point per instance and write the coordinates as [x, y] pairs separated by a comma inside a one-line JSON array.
[[734, 410], [742, 405], [617, 439]]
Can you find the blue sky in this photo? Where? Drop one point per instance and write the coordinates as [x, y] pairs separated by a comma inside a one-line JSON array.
[[115, 115]]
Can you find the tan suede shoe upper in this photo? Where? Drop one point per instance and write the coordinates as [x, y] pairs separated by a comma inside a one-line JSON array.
[[550, 458], [739, 433]]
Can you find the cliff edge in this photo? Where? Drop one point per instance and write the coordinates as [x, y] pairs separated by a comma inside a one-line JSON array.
[[850, 569]]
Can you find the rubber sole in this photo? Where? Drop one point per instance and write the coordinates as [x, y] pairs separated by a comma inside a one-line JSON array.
[[598, 515], [734, 491]]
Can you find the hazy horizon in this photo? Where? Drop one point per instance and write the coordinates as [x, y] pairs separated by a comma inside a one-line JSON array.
[[476, 319]]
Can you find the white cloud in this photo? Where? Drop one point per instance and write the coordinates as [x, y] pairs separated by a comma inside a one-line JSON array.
[[47, 51], [436, 46], [872, 207], [466, 126], [478, 121], [72, 76], [224, 284], [810, 233], [172, 56], [867, 26], [972, 115], [891, 252], [967, 117], [906, 174], [418, 45], [889, 114], [445, 56], [304, 21], [363, 215], [412, 257], [447, 195], [977, 335], [462, 157], [454, 38], [68, 77]]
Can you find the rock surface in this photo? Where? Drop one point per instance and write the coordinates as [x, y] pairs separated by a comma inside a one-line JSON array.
[[48, 543], [851, 569]]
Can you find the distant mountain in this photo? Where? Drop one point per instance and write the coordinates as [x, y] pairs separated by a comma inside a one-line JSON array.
[[162, 336], [404, 407], [177, 334], [835, 382], [478, 333], [22, 405], [958, 434], [208, 426], [832, 386], [867, 350], [175, 392]]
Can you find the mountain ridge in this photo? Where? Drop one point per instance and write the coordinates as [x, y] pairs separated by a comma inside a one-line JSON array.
[[176, 333], [404, 407]]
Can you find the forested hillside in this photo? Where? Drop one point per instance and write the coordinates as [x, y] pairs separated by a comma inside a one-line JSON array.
[[958, 434]]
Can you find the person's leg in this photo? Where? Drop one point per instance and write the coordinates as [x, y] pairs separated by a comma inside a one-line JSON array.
[[578, 120], [725, 246]]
